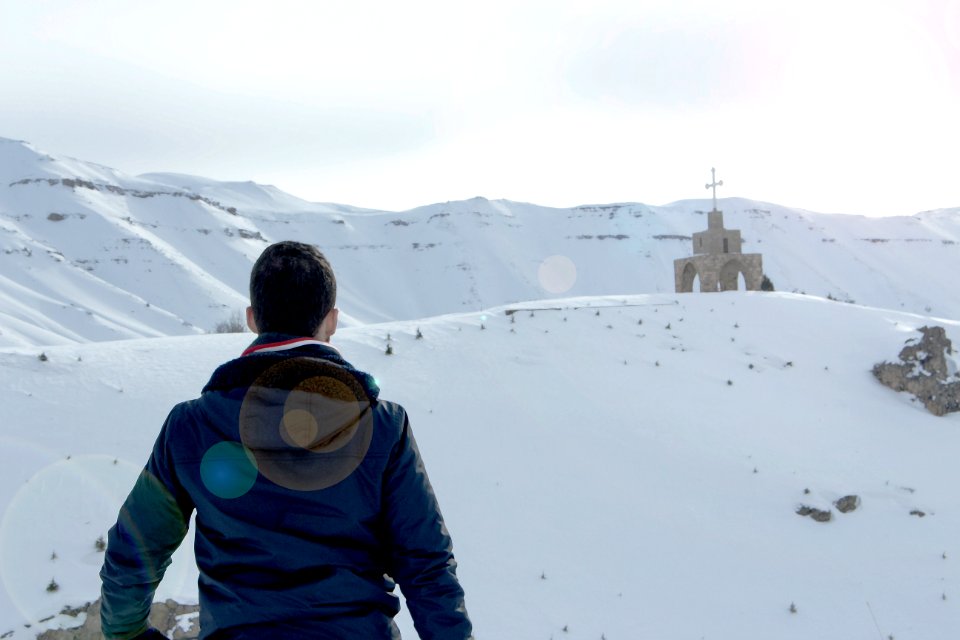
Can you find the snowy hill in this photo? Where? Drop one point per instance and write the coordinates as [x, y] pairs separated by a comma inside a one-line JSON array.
[[613, 467], [91, 254]]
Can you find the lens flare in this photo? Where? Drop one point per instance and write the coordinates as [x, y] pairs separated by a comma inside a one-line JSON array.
[[952, 22], [52, 521], [307, 424], [228, 470], [557, 274]]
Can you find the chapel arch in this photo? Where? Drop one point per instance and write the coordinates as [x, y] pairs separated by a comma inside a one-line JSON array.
[[689, 278], [730, 275]]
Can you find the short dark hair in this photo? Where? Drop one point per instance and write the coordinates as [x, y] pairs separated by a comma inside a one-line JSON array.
[[292, 289]]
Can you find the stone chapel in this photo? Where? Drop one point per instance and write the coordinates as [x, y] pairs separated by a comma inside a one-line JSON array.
[[717, 259]]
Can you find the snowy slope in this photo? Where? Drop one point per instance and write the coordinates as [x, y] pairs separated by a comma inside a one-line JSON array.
[[613, 467], [88, 253]]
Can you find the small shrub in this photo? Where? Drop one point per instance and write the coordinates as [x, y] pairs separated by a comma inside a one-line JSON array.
[[43, 357], [389, 350], [766, 284], [100, 544], [53, 586], [234, 324]]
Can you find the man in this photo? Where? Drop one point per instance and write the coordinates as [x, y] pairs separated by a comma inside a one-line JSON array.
[[310, 493]]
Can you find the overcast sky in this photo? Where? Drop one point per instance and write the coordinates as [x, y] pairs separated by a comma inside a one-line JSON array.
[[840, 106]]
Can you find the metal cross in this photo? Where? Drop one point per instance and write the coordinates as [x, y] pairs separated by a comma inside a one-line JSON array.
[[713, 173]]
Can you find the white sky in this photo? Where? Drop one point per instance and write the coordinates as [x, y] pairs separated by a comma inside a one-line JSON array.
[[835, 106]]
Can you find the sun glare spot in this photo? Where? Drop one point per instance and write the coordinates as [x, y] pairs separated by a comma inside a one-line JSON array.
[[557, 274]]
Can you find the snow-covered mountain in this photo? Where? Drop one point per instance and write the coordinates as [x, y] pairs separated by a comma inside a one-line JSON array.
[[88, 253], [617, 467]]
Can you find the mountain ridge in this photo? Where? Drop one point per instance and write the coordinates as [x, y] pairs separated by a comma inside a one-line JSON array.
[[89, 253]]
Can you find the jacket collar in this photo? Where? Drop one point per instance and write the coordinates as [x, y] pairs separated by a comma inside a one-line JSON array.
[[269, 342]]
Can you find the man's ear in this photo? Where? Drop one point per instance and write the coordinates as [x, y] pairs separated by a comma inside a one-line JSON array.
[[251, 322], [328, 326]]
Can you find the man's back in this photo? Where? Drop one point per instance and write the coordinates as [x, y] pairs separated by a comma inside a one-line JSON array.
[[311, 497]]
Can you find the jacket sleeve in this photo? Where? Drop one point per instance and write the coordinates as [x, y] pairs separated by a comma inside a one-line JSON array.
[[151, 525], [421, 551]]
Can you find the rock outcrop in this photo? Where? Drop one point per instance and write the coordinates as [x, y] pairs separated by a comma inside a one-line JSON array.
[[174, 620], [925, 371]]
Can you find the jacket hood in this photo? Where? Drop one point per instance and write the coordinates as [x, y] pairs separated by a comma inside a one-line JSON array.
[[305, 413]]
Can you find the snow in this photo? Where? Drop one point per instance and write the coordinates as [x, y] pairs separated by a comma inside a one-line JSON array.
[[613, 460], [625, 466]]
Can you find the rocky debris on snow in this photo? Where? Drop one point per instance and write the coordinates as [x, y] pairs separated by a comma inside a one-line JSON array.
[[174, 620], [846, 504], [817, 514], [925, 371]]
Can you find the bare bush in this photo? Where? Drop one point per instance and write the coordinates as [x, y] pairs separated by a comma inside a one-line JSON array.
[[234, 324]]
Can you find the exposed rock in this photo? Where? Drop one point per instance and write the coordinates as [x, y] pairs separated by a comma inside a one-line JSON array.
[[847, 504], [250, 235], [817, 514], [163, 616], [78, 183], [923, 370]]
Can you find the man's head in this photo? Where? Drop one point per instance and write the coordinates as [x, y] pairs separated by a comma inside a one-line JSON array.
[[292, 290]]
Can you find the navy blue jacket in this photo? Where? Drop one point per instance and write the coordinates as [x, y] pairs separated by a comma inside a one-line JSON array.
[[278, 557]]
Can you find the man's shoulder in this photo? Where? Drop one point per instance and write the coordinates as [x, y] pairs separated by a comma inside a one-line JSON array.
[[391, 413]]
